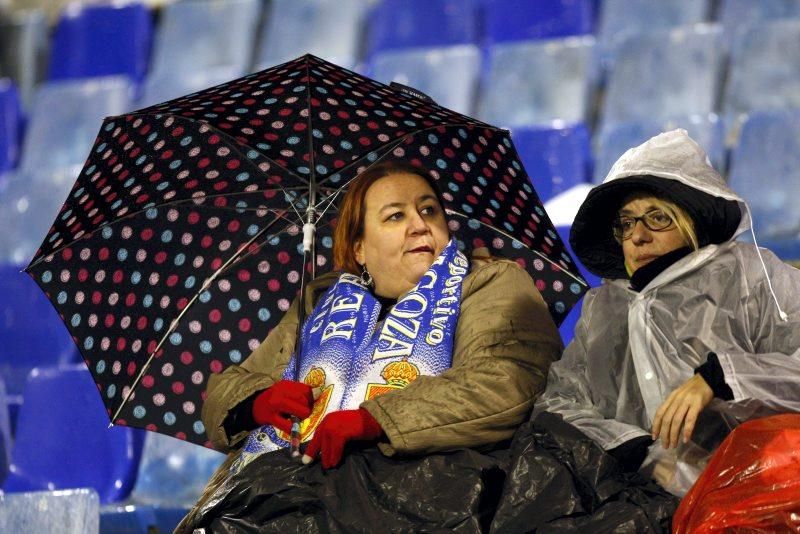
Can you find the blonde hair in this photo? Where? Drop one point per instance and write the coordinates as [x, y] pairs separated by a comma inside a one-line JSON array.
[[682, 220]]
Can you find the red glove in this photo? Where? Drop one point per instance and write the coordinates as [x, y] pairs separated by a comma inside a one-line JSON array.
[[337, 429], [276, 404]]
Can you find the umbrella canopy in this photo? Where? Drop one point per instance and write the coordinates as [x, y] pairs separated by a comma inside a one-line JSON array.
[[181, 243]]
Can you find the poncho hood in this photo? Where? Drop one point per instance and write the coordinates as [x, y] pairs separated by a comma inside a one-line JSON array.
[[672, 166]]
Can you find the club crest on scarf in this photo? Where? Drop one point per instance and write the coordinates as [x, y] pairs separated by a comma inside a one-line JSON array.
[[349, 358]]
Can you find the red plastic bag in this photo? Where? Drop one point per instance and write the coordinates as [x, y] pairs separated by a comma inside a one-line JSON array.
[[751, 483]]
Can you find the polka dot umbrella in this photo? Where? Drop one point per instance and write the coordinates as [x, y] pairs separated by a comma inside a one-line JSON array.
[[181, 243]]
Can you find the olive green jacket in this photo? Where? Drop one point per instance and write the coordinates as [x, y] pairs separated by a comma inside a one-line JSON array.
[[504, 343]]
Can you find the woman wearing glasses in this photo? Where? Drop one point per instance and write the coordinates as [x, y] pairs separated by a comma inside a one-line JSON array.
[[691, 332]]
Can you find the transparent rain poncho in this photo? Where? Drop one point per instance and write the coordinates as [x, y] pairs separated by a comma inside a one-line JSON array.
[[631, 350]]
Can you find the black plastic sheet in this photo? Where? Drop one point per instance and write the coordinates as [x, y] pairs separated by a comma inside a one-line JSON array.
[[552, 478], [559, 480], [455, 492]]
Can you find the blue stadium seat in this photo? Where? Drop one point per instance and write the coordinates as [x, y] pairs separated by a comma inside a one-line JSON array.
[[765, 170], [619, 19], [29, 203], [62, 440], [555, 159], [764, 71], [5, 432], [10, 120], [129, 519], [160, 88], [55, 512], [538, 82], [135, 519], [173, 473], [562, 210], [331, 29], [25, 344], [614, 139], [567, 327], [423, 23], [24, 41], [523, 20], [447, 74], [101, 40], [625, 17], [665, 74], [195, 36], [739, 15], [65, 118]]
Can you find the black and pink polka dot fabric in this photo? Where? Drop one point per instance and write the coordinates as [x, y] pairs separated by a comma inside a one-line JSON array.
[[182, 237]]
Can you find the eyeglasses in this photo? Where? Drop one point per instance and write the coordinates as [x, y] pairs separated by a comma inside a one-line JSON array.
[[655, 220]]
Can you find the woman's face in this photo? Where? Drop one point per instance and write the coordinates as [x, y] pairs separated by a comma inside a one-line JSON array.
[[645, 245], [404, 231]]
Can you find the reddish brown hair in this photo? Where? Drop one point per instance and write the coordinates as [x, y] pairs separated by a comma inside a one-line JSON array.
[[350, 226]]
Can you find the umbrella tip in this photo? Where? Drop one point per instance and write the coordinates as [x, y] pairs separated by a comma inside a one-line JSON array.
[[411, 91], [111, 424]]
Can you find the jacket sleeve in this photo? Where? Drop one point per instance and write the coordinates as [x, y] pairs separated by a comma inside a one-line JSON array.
[[571, 394], [505, 340], [261, 369], [771, 372]]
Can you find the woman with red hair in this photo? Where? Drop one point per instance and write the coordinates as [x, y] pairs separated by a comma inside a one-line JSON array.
[[412, 346]]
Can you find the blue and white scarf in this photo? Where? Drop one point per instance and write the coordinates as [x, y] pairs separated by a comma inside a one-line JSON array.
[[347, 356]]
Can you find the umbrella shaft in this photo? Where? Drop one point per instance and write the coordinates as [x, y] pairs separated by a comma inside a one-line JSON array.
[[294, 440]]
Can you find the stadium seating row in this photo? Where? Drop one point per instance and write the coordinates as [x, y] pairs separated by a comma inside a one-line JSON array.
[[577, 81], [540, 81], [657, 78], [198, 43], [359, 28], [138, 479]]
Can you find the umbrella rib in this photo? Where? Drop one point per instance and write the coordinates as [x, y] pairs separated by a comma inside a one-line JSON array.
[[234, 144], [174, 323], [388, 147], [291, 222], [501, 232], [403, 137], [320, 223], [330, 199], [310, 134], [292, 204], [164, 205]]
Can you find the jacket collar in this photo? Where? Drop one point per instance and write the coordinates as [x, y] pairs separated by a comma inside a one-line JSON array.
[[685, 265], [644, 275]]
